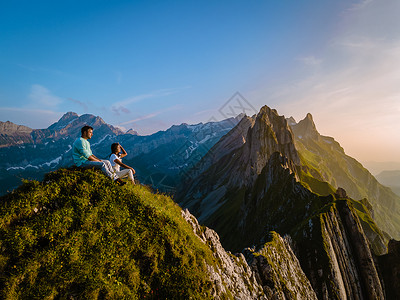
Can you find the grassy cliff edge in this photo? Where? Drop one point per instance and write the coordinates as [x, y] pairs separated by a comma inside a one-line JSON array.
[[79, 234]]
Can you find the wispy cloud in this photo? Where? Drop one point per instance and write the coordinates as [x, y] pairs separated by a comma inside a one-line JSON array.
[[31, 117], [43, 97], [39, 111], [79, 103], [359, 5], [120, 106], [150, 116], [310, 60], [120, 109], [43, 70]]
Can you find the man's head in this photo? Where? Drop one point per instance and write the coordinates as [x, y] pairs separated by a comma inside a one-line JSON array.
[[87, 132]]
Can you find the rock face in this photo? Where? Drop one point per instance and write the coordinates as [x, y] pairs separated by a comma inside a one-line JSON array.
[[233, 274], [345, 261], [279, 271], [390, 269], [328, 162], [272, 272]]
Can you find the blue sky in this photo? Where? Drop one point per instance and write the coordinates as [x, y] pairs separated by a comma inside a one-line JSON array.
[[150, 64]]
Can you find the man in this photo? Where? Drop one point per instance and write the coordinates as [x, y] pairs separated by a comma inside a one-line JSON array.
[[83, 156]]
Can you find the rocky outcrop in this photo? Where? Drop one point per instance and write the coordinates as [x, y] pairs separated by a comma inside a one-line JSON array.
[[232, 275]]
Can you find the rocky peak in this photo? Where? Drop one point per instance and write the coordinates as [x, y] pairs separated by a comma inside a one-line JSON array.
[[305, 128], [270, 134], [291, 121], [64, 121], [69, 116], [240, 117], [132, 132]]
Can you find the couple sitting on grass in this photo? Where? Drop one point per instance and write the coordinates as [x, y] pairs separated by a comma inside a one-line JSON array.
[[83, 157]]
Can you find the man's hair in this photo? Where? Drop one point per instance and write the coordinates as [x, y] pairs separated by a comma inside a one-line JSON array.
[[114, 147], [86, 128]]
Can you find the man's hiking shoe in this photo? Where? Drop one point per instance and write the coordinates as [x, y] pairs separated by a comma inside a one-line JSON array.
[[119, 182]]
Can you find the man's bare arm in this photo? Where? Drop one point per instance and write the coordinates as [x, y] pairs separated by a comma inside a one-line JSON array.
[[93, 158]]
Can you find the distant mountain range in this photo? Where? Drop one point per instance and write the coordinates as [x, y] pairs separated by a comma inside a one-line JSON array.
[[390, 179], [159, 159], [377, 167]]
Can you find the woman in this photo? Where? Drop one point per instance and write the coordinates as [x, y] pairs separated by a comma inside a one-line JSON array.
[[116, 162]]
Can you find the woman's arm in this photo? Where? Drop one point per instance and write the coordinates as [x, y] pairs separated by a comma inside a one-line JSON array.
[[123, 154]]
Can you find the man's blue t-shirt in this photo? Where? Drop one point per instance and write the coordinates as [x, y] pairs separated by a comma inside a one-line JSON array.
[[81, 151]]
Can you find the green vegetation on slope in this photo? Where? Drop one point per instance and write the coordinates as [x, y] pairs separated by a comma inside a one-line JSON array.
[[325, 160], [79, 234]]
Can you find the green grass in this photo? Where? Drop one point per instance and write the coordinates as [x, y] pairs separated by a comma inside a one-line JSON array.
[[77, 234]]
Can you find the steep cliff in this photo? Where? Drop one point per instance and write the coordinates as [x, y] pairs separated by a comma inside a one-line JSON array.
[[257, 188]]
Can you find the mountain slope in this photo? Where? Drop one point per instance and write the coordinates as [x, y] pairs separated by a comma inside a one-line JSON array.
[[327, 161], [256, 188]]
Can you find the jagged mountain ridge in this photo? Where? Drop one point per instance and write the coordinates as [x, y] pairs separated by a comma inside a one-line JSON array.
[[327, 161], [243, 197]]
